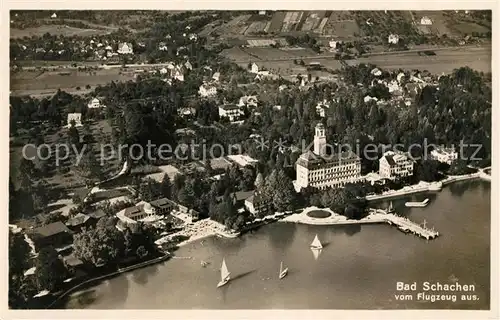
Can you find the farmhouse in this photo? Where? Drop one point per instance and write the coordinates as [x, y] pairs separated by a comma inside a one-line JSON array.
[[393, 165], [74, 118], [425, 21], [393, 39], [125, 48]]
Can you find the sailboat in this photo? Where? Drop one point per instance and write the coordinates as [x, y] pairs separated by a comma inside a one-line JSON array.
[[224, 274], [316, 244], [391, 209], [283, 272]]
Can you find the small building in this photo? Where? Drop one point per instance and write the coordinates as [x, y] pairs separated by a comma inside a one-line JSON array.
[[444, 155], [162, 46], [249, 101], [333, 44], [262, 12], [125, 48], [186, 112], [178, 75], [207, 90], [230, 111], [163, 71], [376, 72], [78, 222], [163, 206], [425, 21], [54, 234], [254, 68], [394, 165], [97, 215], [74, 119], [256, 205], [139, 213], [216, 76], [188, 65], [95, 104], [54, 16], [321, 108], [393, 39], [238, 197]]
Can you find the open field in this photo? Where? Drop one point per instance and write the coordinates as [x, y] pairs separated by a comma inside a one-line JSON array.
[[62, 30], [444, 61], [26, 81]]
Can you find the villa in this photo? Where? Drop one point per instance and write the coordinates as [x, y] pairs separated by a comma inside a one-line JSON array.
[[95, 104], [444, 155], [393, 39], [125, 48], [393, 165]]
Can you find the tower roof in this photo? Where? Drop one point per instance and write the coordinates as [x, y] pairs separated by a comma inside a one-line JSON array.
[[320, 125]]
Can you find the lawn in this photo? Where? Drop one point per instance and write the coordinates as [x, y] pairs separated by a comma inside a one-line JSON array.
[[318, 214], [63, 30]]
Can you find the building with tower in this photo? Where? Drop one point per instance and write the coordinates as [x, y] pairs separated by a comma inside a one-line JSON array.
[[322, 169]]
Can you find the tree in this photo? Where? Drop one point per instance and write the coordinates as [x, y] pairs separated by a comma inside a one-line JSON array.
[[150, 189], [259, 181], [283, 193], [166, 186], [50, 270], [100, 245]]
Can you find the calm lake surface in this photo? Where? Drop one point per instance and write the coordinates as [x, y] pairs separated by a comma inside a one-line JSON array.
[[357, 269]]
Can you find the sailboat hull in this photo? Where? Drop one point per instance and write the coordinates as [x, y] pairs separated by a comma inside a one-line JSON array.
[[223, 282], [316, 247], [283, 273]]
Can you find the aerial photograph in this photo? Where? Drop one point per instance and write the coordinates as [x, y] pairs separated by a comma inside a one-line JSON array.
[[257, 159]]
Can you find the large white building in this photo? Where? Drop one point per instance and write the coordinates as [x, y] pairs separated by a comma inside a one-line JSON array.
[[322, 170], [230, 111], [444, 155], [394, 165], [125, 48]]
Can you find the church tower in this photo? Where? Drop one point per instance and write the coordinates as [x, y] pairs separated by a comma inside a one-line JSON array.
[[320, 140]]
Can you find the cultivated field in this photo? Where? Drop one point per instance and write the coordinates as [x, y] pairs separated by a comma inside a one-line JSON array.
[[62, 30], [444, 60], [27, 81]]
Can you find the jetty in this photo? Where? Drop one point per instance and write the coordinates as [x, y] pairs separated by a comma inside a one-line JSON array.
[[404, 224]]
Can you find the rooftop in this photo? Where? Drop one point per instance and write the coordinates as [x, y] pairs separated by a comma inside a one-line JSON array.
[[51, 229]]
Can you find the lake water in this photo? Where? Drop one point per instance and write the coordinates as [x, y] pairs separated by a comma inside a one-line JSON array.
[[357, 269]]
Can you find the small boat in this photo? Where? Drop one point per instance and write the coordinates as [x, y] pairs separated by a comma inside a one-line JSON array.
[[283, 272], [316, 244], [204, 263], [224, 274], [418, 204]]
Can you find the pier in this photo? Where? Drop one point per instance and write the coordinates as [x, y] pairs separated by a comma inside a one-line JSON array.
[[405, 224]]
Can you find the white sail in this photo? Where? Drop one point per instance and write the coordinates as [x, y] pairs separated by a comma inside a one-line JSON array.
[[281, 267], [224, 273], [316, 244]]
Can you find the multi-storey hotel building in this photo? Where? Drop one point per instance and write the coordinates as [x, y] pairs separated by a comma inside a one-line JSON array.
[[321, 170]]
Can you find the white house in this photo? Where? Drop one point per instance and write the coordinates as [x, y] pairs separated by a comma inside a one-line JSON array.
[[216, 76], [188, 65], [444, 155], [207, 90], [178, 75], [395, 164], [193, 36], [230, 111], [254, 68], [250, 101], [425, 21], [369, 98], [95, 104], [400, 77], [76, 117], [162, 46], [54, 15], [376, 72], [125, 48], [333, 44], [394, 87], [262, 12], [321, 108], [163, 71], [393, 38]]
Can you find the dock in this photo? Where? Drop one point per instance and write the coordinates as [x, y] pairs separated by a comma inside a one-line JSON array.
[[404, 224]]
